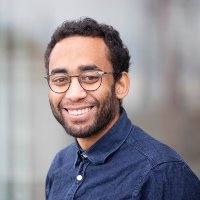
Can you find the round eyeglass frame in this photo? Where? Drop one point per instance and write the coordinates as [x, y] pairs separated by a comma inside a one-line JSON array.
[[77, 76]]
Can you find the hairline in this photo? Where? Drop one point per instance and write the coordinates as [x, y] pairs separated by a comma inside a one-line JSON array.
[[107, 50]]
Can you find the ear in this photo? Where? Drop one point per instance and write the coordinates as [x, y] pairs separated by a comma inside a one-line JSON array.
[[122, 86]]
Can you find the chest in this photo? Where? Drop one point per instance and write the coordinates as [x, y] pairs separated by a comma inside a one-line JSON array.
[[110, 180]]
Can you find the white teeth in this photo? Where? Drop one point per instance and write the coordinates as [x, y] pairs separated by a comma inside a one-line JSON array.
[[79, 111]]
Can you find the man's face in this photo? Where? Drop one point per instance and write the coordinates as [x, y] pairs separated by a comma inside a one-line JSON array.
[[83, 113]]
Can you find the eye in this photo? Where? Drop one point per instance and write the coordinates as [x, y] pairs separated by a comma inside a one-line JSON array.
[[90, 77], [60, 80]]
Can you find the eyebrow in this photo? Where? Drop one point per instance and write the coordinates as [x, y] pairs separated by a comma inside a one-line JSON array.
[[88, 67], [58, 70], [81, 69]]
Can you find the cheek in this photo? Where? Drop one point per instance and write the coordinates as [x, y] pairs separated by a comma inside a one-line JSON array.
[[106, 85], [100, 94], [54, 98], [104, 93]]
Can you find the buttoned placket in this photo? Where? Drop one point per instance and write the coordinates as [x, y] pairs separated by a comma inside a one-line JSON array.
[[79, 177]]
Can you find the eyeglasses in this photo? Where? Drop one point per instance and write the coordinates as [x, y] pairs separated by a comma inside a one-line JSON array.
[[89, 80]]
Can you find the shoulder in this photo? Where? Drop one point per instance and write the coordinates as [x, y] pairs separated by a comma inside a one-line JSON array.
[[61, 161], [164, 172], [150, 149], [171, 180]]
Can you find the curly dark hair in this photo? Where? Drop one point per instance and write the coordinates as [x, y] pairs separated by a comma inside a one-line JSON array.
[[87, 27]]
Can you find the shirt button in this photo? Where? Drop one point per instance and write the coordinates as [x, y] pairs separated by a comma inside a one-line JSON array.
[[84, 155], [79, 178]]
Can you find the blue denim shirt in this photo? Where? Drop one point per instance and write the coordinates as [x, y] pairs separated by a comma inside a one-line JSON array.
[[125, 164]]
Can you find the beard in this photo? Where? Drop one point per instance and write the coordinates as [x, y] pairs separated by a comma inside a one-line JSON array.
[[107, 110]]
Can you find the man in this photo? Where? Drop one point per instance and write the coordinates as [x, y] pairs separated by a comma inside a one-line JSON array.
[[87, 71]]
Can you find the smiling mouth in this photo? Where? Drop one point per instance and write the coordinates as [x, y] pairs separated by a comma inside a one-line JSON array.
[[76, 112]]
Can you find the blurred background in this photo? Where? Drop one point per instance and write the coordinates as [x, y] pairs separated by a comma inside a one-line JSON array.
[[163, 39]]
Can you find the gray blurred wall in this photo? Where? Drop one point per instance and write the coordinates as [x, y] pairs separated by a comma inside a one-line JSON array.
[[163, 39]]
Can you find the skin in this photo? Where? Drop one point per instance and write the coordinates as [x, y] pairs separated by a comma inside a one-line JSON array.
[[100, 108]]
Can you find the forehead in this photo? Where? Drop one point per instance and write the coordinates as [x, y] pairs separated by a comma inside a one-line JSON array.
[[76, 51]]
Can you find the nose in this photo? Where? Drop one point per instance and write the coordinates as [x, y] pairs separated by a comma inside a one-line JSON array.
[[75, 91]]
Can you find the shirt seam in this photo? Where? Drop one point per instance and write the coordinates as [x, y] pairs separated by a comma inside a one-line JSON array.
[[147, 172]]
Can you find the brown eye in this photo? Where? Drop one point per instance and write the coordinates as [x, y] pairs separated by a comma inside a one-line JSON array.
[[60, 80], [90, 77]]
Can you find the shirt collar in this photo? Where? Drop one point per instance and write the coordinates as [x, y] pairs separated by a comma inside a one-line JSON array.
[[109, 143]]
